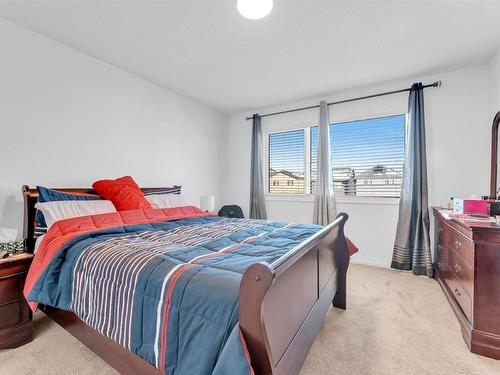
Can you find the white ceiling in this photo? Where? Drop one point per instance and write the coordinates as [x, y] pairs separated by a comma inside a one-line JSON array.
[[205, 50]]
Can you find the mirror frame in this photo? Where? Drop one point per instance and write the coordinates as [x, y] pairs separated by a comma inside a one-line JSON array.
[[494, 155]]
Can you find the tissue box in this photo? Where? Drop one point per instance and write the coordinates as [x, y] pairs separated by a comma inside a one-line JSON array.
[[470, 206]]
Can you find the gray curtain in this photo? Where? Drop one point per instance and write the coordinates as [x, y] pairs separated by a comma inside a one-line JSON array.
[[324, 200], [412, 249], [257, 203]]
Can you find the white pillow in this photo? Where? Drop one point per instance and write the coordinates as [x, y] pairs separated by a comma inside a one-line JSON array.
[[168, 200], [38, 241], [59, 210]]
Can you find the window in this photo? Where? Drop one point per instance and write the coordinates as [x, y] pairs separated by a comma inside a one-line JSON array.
[[367, 158], [286, 162]]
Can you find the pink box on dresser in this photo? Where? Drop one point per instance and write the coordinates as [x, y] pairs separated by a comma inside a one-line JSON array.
[[470, 206]]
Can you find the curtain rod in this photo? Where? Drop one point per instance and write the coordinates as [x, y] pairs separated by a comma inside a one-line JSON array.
[[435, 84]]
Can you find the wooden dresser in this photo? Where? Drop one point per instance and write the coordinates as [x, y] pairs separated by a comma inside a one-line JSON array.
[[16, 327], [467, 254]]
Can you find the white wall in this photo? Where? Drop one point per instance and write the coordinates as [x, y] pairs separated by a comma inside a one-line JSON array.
[[458, 130], [67, 119]]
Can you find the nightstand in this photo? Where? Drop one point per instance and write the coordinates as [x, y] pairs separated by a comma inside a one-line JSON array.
[[16, 325]]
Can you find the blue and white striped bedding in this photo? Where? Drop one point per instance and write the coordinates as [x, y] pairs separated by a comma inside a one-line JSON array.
[[167, 291]]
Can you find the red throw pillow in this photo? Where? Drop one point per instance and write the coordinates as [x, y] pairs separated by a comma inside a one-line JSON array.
[[123, 192]]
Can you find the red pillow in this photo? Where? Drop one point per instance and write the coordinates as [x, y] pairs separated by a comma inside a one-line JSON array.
[[123, 192]]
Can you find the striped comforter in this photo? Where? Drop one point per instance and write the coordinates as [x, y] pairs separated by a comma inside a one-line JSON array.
[[167, 291]]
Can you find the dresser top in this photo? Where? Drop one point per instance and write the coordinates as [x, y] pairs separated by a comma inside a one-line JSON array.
[[468, 222], [16, 258]]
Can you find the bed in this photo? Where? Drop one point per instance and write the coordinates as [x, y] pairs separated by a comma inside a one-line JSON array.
[[280, 297]]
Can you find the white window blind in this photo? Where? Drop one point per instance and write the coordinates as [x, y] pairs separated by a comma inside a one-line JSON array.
[[286, 162], [367, 158]]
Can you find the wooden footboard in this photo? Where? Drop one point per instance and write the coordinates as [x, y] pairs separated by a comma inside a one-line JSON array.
[[282, 305]]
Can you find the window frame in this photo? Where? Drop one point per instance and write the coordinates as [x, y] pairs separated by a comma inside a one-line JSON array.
[[309, 197]]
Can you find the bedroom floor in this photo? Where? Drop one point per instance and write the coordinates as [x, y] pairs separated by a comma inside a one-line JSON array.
[[396, 323]]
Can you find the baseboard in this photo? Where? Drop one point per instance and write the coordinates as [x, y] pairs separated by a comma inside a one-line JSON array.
[[485, 344], [370, 261]]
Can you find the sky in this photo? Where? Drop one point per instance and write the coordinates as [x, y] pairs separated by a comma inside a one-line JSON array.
[[360, 145]]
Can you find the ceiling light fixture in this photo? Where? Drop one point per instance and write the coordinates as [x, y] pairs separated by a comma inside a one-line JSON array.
[[254, 9]]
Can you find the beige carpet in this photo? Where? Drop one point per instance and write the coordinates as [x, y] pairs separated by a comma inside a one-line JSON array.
[[396, 323]]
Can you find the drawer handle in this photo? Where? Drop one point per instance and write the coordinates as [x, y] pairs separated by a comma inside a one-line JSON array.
[[440, 229], [457, 268], [457, 292], [458, 245]]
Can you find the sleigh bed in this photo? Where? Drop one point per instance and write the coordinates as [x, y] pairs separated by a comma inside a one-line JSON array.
[[281, 304]]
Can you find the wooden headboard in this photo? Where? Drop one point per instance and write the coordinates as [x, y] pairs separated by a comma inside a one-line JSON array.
[[31, 197]]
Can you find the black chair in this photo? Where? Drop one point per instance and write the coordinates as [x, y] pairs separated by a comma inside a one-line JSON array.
[[232, 211]]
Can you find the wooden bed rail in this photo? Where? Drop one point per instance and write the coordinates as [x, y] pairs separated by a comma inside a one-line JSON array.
[[282, 305]]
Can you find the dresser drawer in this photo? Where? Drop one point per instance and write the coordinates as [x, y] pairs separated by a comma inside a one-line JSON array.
[[442, 259], [9, 289], [9, 314], [462, 246], [443, 233], [462, 271], [16, 268], [460, 295], [16, 326]]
